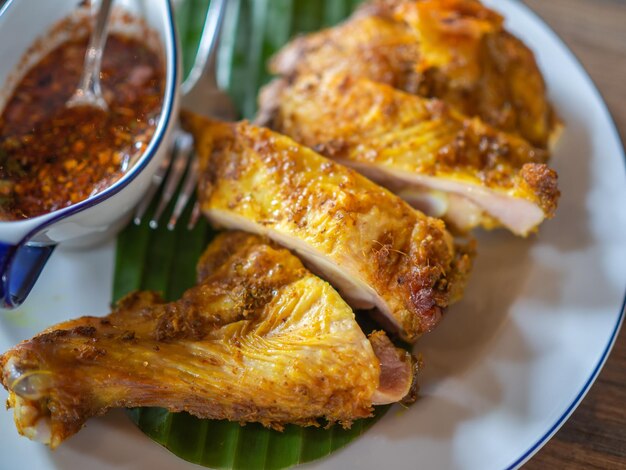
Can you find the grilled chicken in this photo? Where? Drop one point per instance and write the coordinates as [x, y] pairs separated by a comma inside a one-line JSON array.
[[369, 45], [258, 339], [375, 249], [446, 164], [455, 50]]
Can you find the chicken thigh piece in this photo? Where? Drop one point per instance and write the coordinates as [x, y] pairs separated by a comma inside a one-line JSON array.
[[444, 163], [259, 339], [371, 245]]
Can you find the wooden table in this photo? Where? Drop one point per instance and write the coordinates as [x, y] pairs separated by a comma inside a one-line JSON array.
[[595, 435]]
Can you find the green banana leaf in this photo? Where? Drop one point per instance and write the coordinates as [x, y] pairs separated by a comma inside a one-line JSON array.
[[164, 260]]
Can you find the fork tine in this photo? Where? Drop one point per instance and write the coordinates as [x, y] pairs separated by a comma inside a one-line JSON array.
[[183, 148], [189, 185], [195, 215], [157, 179]]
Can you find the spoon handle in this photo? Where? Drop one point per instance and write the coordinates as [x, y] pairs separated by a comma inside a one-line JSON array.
[[90, 83]]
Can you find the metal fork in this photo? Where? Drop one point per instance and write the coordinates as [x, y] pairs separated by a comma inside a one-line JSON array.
[[200, 94]]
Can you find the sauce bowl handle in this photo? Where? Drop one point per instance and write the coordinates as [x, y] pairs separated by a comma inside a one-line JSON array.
[[20, 266]]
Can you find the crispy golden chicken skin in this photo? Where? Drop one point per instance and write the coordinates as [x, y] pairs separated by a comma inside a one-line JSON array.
[[448, 165], [455, 50], [369, 45], [375, 249], [259, 339]]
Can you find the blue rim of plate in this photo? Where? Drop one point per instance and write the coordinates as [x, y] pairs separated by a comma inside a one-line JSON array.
[[620, 318], [169, 99]]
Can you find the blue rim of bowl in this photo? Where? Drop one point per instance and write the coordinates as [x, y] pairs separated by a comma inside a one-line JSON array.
[[171, 69], [620, 318]]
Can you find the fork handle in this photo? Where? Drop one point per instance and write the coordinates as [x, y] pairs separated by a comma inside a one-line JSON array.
[[204, 66]]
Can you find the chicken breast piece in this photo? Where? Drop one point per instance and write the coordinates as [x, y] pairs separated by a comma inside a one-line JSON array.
[[259, 339], [470, 61], [454, 50], [371, 245], [446, 164]]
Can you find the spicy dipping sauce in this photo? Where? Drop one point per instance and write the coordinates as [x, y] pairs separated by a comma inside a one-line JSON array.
[[52, 156]]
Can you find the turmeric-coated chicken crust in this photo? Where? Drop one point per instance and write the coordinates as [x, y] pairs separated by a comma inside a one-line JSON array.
[[454, 50], [418, 147], [259, 339], [375, 249]]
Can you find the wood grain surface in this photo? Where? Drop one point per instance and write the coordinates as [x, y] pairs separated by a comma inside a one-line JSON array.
[[595, 435]]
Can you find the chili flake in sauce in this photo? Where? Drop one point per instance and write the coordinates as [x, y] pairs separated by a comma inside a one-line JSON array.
[[52, 156]]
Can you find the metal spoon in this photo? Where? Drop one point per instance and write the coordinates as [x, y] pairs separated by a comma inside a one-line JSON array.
[[89, 92]]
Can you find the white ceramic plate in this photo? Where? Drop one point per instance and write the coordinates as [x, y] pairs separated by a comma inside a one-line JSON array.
[[508, 364]]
